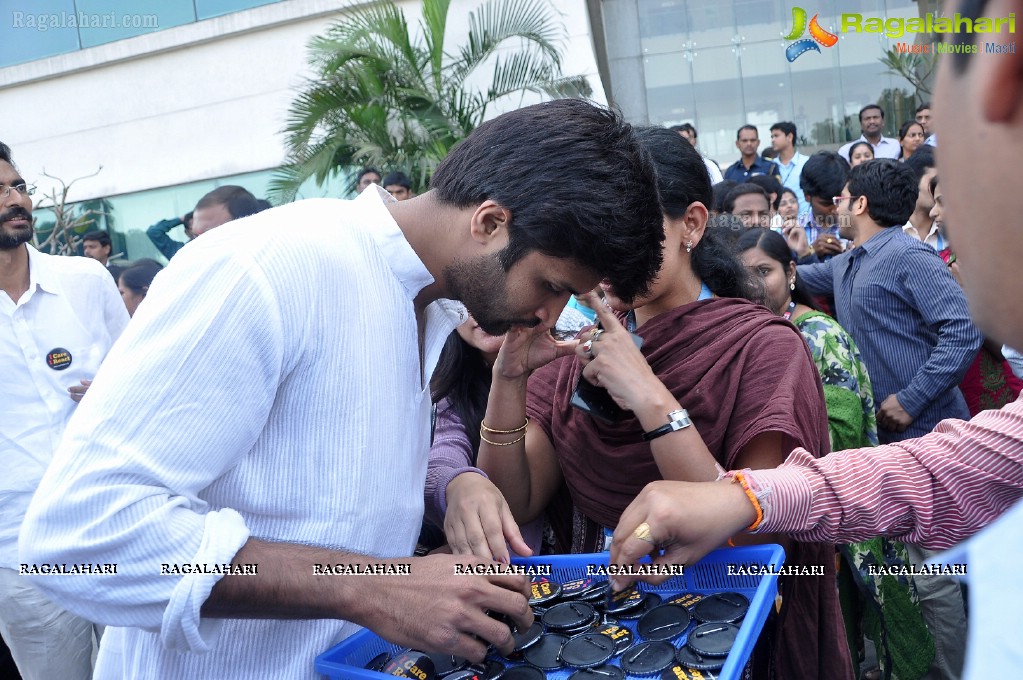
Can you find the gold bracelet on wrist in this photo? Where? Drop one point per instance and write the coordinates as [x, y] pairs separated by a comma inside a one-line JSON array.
[[485, 428], [493, 443]]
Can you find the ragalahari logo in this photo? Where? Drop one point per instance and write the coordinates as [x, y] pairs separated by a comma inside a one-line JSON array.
[[817, 35]]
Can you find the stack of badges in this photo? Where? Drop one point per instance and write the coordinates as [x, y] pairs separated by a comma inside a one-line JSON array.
[[583, 631]]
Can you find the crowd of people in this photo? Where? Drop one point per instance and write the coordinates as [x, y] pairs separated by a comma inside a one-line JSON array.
[[807, 376]]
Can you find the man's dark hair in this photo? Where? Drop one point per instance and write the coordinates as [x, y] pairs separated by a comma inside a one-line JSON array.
[[921, 160], [682, 180], [139, 275], [890, 187], [741, 190], [721, 190], [685, 127], [98, 235], [222, 196], [868, 107], [770, 185], [738, 133], [243, 206], [786, 128], [518, 160], [365, 171], [187, 219], [397, 177], [824, 175], [5, 154], [922, 107]]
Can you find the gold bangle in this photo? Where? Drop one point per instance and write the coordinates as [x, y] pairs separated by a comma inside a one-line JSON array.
[[485, 428], [515, 441]]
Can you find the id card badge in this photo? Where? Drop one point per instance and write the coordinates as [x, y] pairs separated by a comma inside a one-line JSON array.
[[608, 537]]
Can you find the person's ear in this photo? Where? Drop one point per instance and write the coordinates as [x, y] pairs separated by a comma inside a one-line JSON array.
[[696, 222], [999, 76], [489, 222]]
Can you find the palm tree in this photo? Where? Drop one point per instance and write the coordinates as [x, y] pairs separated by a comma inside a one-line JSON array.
[[381, 97]]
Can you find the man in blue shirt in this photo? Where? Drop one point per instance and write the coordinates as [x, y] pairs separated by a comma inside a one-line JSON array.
[[790, 162], [896, 298], [747, 140]]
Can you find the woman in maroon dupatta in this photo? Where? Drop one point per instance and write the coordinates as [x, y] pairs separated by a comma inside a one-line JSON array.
[[745, 376]]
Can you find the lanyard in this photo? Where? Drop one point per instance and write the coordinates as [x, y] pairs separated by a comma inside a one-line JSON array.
[[788, 312]]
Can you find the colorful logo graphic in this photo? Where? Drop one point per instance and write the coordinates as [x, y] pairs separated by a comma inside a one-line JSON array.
[[818, 35]]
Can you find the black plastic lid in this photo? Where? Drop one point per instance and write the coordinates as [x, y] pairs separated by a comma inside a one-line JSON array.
[[523, 673], [664, 622], [721, 607], [690, 659], [569, 616], [528, 637], [679, 672], [543, 591], [713, 639], [378, 662], [648, 658], [587, 650], [546, 653], [623, 600], [490, 669], [446, 663], [405, 665], [598, 591]]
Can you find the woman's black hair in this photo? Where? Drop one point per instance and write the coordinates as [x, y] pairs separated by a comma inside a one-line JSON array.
[[787, 190], [719, 191], [904, 130], [775, 247], [858, 144], [682, 180], [464, 378], [140, 275]]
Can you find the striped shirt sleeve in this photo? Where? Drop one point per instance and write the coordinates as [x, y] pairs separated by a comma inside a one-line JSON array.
[[933, 491]]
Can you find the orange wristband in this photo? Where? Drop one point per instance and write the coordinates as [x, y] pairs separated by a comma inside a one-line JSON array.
[[740, 478]]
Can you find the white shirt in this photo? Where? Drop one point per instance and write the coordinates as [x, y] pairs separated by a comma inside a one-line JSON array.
[[790, 174], [888, 147], [270, 386], [713, 170], [69, 317], [934, 238]]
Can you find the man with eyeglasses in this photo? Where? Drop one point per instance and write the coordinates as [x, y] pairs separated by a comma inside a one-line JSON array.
[[58, 318]]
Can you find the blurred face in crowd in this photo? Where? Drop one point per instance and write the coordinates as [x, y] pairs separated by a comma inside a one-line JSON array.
[[861, 154], [210, 217], [780, 141], [924, 118], [924, 200], [689, 137], [773, 277], [132, 300], [788, 206], [753, 210], [366, 180], [15, 210], [913, 139], [871, 123], [399, 192], [748, 143], [96, 251]]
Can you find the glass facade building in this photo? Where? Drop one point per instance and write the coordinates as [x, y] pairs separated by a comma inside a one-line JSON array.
[[720, 64]]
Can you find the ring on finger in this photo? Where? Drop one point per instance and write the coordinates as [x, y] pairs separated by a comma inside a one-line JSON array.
[[595, 335], [587, 348]]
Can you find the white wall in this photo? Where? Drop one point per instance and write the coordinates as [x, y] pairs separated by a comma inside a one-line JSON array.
[[189, 103]]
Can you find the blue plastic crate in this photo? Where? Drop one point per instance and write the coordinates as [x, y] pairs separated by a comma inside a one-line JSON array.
[[710, 575]]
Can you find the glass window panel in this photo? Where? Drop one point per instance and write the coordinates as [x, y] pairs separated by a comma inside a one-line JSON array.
[[765, 88], [669, 88], [37, 30], [717, 90], [215, 8], [105, 21]]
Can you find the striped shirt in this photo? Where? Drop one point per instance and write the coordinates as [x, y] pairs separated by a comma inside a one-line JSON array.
[[909, 317], [269, 386], [934, 491]]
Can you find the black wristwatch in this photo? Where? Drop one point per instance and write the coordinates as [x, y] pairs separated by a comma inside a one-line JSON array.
[[677, 420]]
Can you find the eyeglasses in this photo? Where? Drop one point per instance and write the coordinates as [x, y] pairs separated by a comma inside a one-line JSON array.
[[21, 188], [837, 200]]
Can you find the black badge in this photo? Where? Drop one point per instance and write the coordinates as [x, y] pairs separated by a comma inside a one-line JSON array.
[[648, 658], [713, 639], [623, 600], [490, 669], [410, 664], [649, 601], [546, 653], [58, 358], [570, 590], [606, 672], [664, 622], [690, 659], [568, 616], [598, 591], [680, 672], [721, 608], [445, 663], [542, 590], [378, 662], [467, 674], [620, 635], [528, 637], [587, 650], [687, 600], [523, 673]]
